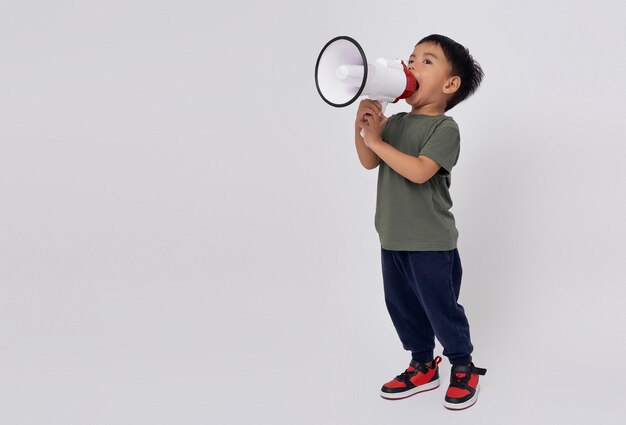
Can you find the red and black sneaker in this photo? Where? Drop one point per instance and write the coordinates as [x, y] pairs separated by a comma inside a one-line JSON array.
[[416, 378], [463, 390]]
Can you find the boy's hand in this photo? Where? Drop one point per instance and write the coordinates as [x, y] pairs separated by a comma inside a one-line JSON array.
[[370, 118], [372, 128], [368, 106]]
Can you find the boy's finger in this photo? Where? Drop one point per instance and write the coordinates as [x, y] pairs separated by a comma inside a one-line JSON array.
[[375, 112], [376, 104]]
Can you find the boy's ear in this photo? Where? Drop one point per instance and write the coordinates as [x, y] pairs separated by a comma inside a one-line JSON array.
[[452, 85]]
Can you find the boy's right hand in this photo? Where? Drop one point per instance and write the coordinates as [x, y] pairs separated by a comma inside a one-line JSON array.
[[371, 107]]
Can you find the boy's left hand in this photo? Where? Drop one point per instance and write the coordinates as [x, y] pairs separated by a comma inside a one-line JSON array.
[[372, 129]]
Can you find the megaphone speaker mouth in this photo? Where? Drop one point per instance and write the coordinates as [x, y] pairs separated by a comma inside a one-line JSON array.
[[342, 51]]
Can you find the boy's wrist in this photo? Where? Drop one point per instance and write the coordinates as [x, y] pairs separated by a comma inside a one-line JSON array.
[[375, 143]]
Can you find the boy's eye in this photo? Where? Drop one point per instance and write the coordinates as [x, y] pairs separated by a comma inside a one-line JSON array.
[[426, 61], [410, 60]]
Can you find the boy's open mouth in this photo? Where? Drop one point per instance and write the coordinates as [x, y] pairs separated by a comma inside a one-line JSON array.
[[417, 87]]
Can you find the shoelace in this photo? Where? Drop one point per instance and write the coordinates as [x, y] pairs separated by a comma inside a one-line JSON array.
[[460, 380], [406, 375]]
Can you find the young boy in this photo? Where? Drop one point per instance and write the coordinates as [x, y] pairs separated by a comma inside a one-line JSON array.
[[415, 153]]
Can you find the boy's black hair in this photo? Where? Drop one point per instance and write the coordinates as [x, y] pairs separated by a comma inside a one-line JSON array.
[[463, 65]]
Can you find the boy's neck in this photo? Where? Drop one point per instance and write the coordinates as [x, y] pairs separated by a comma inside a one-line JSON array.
[[428, 110]]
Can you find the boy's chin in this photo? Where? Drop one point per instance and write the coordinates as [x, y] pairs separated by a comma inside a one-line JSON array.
[[411, 102]]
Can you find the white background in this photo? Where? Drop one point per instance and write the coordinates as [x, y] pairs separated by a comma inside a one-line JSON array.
[[186, 234]]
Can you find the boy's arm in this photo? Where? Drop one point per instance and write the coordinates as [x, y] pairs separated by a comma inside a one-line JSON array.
[[367, 157], [416, 169]]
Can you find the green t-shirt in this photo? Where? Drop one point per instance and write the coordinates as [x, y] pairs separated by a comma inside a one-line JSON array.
[[411, 216]]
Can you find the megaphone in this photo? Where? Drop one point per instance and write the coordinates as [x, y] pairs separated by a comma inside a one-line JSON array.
[[343, 74]]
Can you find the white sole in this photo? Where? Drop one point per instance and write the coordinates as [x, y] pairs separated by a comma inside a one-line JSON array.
[[465, 404], [397, 396]]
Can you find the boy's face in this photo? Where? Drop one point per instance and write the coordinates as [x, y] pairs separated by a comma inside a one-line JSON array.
[[432, 71]]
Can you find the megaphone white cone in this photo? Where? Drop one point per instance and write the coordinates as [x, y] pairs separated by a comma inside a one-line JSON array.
[[337, 52]]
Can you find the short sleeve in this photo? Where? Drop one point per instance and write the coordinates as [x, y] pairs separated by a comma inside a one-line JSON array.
[[444, 147]]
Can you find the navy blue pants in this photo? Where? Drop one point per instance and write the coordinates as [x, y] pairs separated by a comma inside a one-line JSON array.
[[421, 293]]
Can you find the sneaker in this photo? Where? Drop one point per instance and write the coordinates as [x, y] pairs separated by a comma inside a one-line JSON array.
[[463, 390], [416, 378]]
